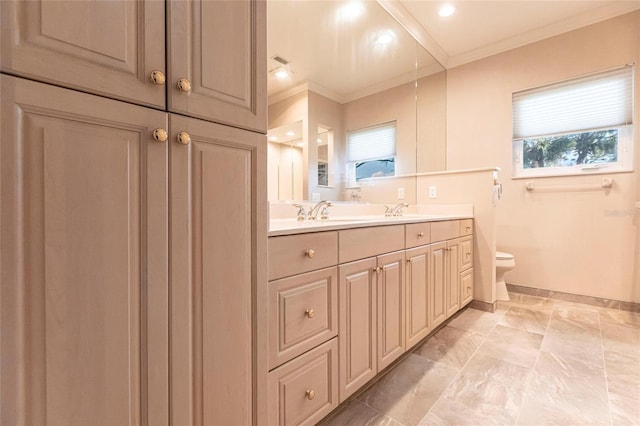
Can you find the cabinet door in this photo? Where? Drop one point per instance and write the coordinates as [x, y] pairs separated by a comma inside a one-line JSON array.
[[357, 325], [438, 281], [84, 294], [213, 276], [417, 300], [104, 47], [452, 289], [219, 47], [391, 294]]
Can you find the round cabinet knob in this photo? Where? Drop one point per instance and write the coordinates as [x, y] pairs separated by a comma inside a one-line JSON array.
[[160, 135], [310, 394], [310, 253], [183, 138], [420, 234], [157, 77], [310, 313], [184, 85]]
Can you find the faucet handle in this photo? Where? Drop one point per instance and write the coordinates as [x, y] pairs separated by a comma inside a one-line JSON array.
[[302, 214], [388, 211], [324, 213]]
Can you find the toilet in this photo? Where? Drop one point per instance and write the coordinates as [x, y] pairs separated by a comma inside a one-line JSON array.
[[504, 262]]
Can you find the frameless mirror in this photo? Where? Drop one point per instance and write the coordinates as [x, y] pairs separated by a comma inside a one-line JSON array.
[[338, 70]]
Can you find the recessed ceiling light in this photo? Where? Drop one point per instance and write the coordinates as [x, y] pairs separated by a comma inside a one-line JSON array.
[[273, 138], [385, 38], [291, 133], [281, 73], [299, 143], [350, 11], [446, 10]]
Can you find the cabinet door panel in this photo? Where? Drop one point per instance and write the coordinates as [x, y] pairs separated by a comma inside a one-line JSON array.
[[453, 283], [438, 284], [418, 267], [357, 325], [103, 47], [213, 279], [220, 47], [391, 339], [84, 255]]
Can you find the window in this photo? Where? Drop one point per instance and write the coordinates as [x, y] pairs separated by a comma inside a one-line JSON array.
[[575, 127], [371, 152]]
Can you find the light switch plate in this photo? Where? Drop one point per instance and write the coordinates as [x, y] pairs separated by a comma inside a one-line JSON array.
[[432, 192], [400, 193]]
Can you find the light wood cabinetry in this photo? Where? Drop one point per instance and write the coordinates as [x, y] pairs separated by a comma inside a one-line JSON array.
[[391, 308], [418, 285], [357, 334], [102, 47], [214, 67], [439, 283], [84, 285], [133, 239], [217, 49], [212, 281]]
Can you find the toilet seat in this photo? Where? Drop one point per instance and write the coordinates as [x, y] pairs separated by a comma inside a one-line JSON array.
[[500, 255]]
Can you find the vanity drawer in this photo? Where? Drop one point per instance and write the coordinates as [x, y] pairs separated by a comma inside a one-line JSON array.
[[466, 253], [417, 234], [445, 230], [304, 390], [303, 312], [466, 287], [360, 243], [466, 227], [295, 254]]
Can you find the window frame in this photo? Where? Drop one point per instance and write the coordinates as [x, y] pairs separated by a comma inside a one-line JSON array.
[[351, 164], [626, 133]]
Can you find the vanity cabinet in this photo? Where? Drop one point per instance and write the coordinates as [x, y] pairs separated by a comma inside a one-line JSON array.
[[302, 313], [214, 67]]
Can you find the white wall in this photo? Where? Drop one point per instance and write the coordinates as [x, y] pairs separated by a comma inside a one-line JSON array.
[[582, 242]]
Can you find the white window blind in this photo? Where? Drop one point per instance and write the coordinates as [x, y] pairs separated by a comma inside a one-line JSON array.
[[598, 101], [372, 142]]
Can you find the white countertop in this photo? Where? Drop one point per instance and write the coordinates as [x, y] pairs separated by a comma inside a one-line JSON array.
[[290, 226]]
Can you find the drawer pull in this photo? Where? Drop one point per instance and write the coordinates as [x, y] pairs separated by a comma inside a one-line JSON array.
[[420, 234], [468, 228], [310, 313], [468, 254], [377, 270], [310, 394], [310, 253]]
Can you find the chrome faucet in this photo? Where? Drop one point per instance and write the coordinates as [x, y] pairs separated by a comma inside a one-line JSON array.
[[395, 211], [322, 208], [302, 214]]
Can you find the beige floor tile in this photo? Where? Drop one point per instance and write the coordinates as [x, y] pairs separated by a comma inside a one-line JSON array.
[[408, 391], [451, 346], [358, 414], [517, 346], [533, 320], [477, 321], [614, 316], [565, 391], [620, 338]]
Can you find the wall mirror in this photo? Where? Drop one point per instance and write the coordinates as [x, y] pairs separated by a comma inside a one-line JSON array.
[[339, 70]]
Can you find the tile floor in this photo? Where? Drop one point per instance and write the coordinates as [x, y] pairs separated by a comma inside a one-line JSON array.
[[535, 361]]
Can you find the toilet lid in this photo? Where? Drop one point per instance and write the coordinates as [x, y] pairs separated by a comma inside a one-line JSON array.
[[503, 256]]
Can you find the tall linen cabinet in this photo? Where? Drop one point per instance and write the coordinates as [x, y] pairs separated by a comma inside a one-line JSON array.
[[133, 212]]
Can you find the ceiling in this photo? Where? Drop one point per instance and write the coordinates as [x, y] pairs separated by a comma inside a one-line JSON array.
[[341, 58], [481, 28]]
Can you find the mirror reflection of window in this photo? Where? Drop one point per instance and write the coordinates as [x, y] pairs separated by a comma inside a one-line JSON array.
[[325, 148], [371, 152]]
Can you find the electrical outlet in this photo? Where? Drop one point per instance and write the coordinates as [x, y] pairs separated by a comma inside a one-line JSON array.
[[432, 192], [400, 193]]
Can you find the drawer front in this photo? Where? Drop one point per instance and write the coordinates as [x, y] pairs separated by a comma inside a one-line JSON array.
[[303, 312], [295, 254], [466, 287], [466, 253], [445, 230], [305, 390], [417, 234], [466, 227], [359, 243]]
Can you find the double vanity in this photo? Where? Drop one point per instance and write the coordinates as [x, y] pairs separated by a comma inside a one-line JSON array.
[[349, 295]]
